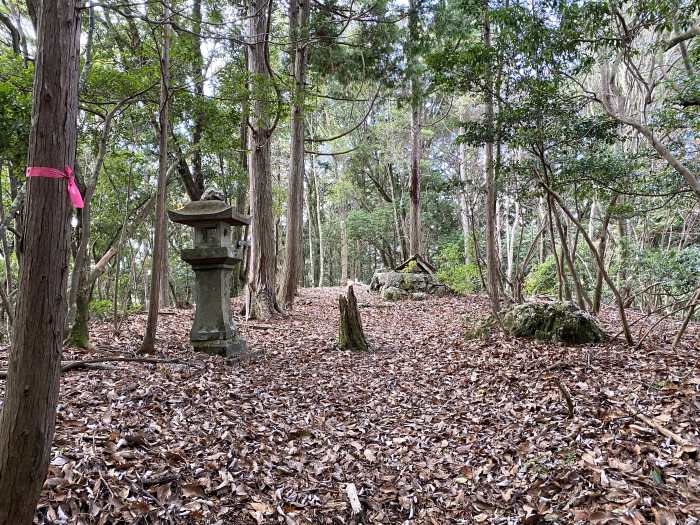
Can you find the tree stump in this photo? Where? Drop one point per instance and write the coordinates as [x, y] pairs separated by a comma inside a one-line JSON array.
[[350, 335]]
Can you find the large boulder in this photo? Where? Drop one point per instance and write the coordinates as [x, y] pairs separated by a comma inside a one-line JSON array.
[[560, 322]]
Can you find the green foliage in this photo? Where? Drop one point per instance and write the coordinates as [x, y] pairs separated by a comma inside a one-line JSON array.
[[677, 272], [452, 271], [410, 267], [101, 309], [134, 308], [15, 107], [542, 279]]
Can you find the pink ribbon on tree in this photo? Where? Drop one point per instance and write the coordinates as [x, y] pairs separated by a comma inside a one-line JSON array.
[[52, 173]]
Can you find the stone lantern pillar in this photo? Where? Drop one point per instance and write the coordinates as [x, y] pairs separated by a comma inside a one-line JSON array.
[[212, 257]]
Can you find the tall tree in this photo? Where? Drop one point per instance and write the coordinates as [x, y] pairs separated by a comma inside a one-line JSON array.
[[492, 261], [159, 237], [29, 411], [416, 97], [261, 300], [293, 262]]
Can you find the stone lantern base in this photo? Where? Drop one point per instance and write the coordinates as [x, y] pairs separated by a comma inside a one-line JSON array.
[[213, 330], [234, 347]]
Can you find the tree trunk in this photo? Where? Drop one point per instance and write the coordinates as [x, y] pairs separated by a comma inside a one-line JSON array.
[[164, 287], [414, 223], [310, 224], [350, 334], [343, 244], [29, 412], [319, 224], [463, 201], [242, 204], [492, 262], [542, 221], [564, 291], [7, 254], [602, 247], [624, 285], [510, 243], [398, 220], [198, 116], [294, 257], [148, 346], [414, 229], [581, 297], [261, 300]]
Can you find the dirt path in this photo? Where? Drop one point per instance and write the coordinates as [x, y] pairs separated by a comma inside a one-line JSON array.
[[428, 427]]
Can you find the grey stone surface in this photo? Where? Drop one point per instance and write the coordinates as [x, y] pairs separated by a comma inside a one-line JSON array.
[[553, 321], [392, 293], [408, 282]]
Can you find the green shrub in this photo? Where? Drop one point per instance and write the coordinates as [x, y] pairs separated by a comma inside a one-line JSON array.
[[135, 308], [461, 278], [542, 279], [101, 309], [678, 271]]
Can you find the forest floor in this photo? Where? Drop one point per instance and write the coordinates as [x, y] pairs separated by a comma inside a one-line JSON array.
[[428, 427]]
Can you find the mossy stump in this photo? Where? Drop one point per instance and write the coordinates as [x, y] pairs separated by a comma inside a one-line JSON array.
[[350, 335]]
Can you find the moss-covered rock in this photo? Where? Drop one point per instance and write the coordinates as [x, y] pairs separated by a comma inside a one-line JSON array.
[[392, 293], [559, 322]]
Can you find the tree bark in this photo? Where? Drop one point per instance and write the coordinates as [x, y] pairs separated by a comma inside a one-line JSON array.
[[492, 262], [148, 345], [261, 300], [414, 223], [319, 224], [343, 244], [414, 229], [29, 412], [164, 287], [198, 116], [463, 200], [398, 220], [294, 257], [350, 333], [564, 292], [602, 247], [311, 220]]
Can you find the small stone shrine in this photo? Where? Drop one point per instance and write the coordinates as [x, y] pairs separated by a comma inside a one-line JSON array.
[[412, 279], [212, 257]]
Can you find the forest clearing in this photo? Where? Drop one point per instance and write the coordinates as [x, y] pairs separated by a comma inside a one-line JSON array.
[[349, 262], [429, 427]]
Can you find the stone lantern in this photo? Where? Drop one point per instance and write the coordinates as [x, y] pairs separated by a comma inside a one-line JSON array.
[[212, 257]]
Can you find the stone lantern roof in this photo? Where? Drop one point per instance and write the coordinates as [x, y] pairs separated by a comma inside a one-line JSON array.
[[201, 214]]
